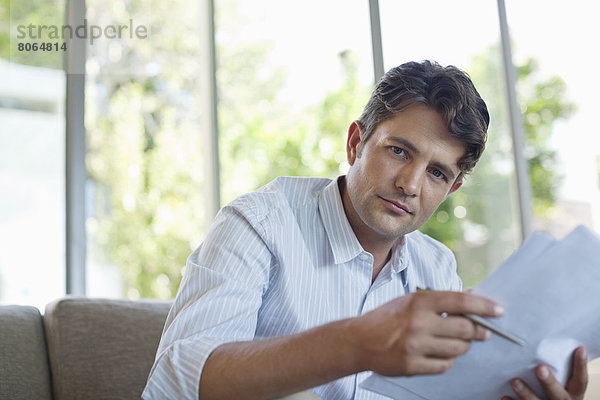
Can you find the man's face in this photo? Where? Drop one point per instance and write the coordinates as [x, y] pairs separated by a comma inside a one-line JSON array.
[[401, 174]]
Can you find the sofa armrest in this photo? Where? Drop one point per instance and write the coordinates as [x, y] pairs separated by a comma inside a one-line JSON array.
[[101, 349], [24, 371]]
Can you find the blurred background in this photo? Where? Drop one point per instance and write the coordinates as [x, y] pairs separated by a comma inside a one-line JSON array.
[[289, 78]]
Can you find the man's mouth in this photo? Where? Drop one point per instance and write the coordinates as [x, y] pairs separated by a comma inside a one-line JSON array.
[[396, 206]]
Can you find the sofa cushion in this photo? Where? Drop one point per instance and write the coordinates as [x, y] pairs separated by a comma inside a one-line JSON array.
[[102, 349], [24, 372]]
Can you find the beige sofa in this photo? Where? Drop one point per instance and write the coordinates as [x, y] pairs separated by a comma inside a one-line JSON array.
[[80, 348]]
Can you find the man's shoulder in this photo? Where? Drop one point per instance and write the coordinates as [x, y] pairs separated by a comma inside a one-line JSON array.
[[295, 186], [421, 242], [433, 264], [284, 192]]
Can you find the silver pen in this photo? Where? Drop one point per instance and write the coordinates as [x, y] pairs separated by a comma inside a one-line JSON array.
[[498, 331]]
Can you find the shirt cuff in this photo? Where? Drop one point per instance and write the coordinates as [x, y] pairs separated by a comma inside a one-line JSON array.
[[176, 372]]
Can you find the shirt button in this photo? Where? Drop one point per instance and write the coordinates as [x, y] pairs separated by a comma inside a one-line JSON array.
[[364, 257]]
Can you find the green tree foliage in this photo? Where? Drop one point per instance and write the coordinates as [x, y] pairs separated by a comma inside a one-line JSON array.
[[262, 138], [144, 150], [334, 115], [543, 102]]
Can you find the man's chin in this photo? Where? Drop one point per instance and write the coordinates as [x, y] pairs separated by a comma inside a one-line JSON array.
[[393, 233]]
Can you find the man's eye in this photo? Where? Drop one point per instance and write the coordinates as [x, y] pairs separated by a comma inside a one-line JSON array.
[[438, 174], [397, 150]]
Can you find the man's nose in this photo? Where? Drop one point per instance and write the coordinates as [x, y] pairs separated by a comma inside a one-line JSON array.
[[409, 179]]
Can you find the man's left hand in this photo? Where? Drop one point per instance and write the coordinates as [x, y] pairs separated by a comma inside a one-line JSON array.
[[553, 390]]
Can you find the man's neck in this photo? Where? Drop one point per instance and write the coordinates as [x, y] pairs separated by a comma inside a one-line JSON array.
[[379, 247]]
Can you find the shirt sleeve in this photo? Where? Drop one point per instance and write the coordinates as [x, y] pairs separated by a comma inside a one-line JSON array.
[[217, 302]]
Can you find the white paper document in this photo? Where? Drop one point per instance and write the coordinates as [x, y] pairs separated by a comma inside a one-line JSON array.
[[551, 294]]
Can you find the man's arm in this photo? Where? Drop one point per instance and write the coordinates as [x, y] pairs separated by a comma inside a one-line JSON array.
[[406, 336], [217, 302]]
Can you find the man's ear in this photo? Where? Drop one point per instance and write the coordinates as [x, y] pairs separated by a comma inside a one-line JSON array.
[[353, 142], [455, 186]]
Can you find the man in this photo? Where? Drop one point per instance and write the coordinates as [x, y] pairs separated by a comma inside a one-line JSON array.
[[310, 284]]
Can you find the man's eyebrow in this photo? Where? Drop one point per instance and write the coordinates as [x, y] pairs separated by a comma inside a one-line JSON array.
[[405, 143], [446, 169]]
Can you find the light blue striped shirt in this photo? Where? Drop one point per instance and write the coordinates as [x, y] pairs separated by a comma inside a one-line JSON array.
[[278, 261]]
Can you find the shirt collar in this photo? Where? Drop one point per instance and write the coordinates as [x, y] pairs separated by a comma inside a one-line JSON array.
[[400, 254], [344, 244]]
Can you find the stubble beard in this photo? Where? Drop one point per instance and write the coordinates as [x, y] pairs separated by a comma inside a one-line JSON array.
[[385, 223]]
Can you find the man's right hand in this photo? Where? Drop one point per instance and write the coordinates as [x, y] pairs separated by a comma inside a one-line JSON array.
[[420, 333], [406, 336]]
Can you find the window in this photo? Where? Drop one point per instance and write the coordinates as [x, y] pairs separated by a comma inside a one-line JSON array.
[[290, 78], [32, 205], [565, 112]]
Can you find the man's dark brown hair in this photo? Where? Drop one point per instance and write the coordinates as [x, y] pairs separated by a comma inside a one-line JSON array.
[[448, 90]]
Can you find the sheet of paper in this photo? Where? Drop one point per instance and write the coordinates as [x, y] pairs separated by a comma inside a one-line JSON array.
[[550, 292]]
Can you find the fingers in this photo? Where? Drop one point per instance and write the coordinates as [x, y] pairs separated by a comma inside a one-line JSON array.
[[551, 386], [449, 326], [461, 303], [424, 365], [578, 381], [553, 390], [432, 356], [460, 328], [522, 390], [456, 326], [446, 348], [576, 384]]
